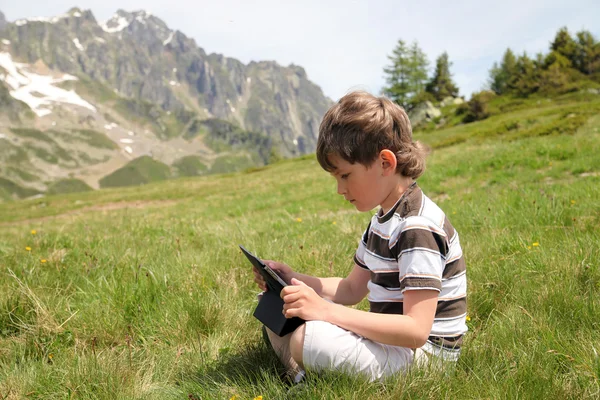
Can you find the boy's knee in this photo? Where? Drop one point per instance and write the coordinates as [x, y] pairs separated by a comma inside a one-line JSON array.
[[297, 344]]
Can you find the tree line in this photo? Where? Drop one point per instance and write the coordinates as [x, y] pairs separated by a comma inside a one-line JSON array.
[[572, 62], [408, 83]]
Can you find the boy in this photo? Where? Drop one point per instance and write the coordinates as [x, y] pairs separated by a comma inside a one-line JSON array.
[[409, 261]]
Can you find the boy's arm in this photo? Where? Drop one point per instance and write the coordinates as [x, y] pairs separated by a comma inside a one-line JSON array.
[[347, 291], [408, 330]]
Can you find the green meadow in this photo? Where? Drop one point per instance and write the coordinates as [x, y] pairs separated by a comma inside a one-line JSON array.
[[142, 293]]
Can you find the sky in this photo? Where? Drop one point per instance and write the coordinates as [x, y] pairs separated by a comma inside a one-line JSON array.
[[343, 45]]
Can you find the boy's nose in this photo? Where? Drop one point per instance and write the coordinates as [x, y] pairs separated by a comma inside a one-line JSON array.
[[341, 189]]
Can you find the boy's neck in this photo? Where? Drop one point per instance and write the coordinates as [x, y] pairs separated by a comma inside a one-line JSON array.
[[402, 184]]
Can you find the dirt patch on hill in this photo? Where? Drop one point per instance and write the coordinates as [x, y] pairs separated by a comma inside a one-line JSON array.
[[106, 207]]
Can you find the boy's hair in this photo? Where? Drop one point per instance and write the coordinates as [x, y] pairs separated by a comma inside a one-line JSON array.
[[360, 125]]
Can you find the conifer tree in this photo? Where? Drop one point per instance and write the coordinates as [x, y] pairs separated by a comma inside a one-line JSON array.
[[527, 78], [397, 75], [441, 84], [502, 77], [407, 73], [564, 45], [587, 53], [418, 69]]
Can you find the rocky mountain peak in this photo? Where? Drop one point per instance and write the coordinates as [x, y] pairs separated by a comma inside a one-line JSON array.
[[144, 85], [75, 11], [141, 25], [300, 71], [2, 21], [128, 21]]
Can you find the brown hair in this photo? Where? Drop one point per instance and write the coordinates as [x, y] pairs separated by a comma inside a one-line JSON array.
[[360, 125]]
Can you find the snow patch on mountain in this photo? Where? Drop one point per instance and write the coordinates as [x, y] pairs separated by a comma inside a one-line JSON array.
[[121, 20], [38, 91], [51, 20], [168, 40], [115, 24], [78, 44]]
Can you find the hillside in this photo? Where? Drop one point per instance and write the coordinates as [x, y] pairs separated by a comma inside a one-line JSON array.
[[142, 292], [76, 84]]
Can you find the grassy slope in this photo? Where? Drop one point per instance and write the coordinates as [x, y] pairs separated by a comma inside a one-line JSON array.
[[144, 294]]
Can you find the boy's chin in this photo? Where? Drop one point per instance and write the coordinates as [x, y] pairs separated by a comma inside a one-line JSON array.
[[363, 208]]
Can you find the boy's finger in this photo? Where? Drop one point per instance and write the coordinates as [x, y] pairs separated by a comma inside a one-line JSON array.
[[289, 290], [291, 297], [292, 312]]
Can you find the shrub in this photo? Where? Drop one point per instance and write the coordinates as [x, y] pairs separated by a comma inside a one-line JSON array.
[[70, 185], [137, 172], [477, 106]]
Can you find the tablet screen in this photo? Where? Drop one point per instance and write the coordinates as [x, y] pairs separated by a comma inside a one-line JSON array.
[[263, 268]]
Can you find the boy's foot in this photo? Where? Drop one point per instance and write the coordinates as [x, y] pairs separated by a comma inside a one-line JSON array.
[[293, 373], [299, 378]]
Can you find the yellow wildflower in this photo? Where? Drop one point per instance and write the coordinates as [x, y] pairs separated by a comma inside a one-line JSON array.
[[535, 244], [468, 318], [43, 260], [28, 248], [33, 231], [334, 222], [258, 398], [528, 247], [50, 356], [234, 397], [298, 219], [572, 201]]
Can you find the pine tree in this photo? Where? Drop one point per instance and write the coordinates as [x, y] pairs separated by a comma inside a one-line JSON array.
[[565, 45], [527, 76], [407, 74], [587, 53], [397, 75], [502, 77], [441, 84], [418, 69]]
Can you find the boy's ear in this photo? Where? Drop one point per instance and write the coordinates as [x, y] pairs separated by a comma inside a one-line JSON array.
[[388, 161]]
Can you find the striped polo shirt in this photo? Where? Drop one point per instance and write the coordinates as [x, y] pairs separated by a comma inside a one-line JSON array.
[[413, 247]]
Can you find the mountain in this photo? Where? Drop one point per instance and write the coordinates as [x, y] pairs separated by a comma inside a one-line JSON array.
[[70, 85]]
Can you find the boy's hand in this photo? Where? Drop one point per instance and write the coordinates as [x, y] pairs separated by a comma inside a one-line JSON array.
[[283, 270], [302, 301]]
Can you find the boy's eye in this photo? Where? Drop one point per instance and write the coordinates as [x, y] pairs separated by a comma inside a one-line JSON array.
[[344, 176]]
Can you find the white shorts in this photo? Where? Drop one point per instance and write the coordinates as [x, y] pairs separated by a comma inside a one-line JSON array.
[[329, 347]]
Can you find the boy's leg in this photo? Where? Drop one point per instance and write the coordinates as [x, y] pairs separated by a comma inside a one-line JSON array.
[[297, 344], [281, 346], [328, 347]]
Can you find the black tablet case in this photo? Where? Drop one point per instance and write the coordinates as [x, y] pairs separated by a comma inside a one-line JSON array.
[[270, 307]]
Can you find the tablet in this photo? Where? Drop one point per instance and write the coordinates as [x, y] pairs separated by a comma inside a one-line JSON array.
[[272, 279]]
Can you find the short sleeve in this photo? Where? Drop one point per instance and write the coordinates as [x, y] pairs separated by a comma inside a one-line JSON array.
[[421, 258], [359, 256]]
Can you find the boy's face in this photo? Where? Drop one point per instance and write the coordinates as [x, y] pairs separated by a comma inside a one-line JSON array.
[[364, 187]]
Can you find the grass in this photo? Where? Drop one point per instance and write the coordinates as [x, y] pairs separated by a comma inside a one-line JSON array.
[[69, 185], [143, 293], [232, 163], [139, 171], [10, 189], [44, 147], [89, 137], [190, 166]]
